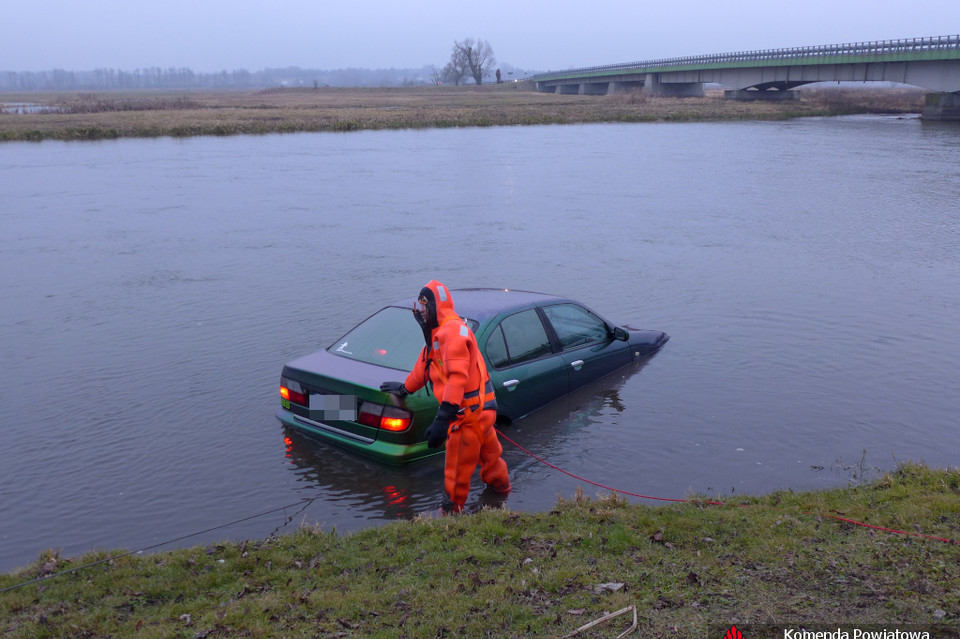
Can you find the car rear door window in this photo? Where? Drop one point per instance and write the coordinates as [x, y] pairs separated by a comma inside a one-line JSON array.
[[575, 326], [518, 338]]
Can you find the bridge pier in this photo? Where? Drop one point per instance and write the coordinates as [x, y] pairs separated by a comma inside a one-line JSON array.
[[593, 88], [941, 106], [748, 95], [623, 87], [654, 88]]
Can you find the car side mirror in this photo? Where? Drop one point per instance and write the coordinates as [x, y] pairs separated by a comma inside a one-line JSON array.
[[621, 334]]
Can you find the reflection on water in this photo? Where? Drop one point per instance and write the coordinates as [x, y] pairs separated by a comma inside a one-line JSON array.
[[380, 492], [384, 492], [806, 272]]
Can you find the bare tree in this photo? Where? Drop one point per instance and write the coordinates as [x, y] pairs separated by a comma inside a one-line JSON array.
[[453, 74], [458, 67], [476, 58]]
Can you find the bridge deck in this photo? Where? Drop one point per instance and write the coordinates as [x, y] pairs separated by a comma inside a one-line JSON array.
[[939, 48]]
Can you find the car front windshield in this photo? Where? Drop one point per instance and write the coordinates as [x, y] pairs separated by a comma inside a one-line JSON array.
[[390, 337]]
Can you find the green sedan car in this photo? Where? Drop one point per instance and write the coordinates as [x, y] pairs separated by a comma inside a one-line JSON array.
[[537, 348]]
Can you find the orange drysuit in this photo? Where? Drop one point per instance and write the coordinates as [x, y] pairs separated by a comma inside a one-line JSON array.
[[452, 363]]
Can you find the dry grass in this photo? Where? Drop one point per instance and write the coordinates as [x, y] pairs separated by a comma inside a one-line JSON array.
[[898, 100], [149, 114], [92, 103]]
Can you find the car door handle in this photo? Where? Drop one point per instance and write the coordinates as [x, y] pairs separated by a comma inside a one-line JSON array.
[[511, 384], [577, 364]]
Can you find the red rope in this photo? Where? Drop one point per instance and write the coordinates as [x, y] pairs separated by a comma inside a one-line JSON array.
[[712, 503], [583, 479], [894, 530]]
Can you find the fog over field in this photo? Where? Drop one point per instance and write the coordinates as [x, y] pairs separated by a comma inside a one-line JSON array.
[[216, 35]]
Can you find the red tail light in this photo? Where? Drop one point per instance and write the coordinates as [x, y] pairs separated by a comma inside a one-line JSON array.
[[386, 417], [395, 419], [369, 414], [292, 392]]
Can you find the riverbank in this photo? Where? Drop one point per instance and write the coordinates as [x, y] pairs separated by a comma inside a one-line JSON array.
[[108, 115], [691, 569]]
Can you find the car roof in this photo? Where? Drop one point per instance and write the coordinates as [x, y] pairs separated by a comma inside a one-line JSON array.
[[481, 304]]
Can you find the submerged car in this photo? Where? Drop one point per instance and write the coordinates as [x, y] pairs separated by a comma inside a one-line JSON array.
[[537, 348]]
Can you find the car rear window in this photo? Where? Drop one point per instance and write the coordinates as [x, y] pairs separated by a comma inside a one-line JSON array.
[[390, 337]]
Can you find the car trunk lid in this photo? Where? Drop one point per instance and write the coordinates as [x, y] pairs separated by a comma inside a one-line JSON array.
[[347, 401]]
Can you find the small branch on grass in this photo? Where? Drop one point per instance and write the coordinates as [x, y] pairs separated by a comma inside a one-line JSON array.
[[597, 622]]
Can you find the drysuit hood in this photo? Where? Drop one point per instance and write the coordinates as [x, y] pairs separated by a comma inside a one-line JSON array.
[[439, 304]]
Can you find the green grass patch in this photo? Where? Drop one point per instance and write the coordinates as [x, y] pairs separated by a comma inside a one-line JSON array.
[[784, 558]]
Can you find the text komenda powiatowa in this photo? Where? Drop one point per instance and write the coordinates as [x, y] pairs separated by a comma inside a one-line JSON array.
[[855, 633]]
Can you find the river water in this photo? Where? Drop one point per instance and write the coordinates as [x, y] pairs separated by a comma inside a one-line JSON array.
[[808, 273]]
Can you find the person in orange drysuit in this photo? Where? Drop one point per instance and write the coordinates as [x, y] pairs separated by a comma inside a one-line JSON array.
[[452, 364]]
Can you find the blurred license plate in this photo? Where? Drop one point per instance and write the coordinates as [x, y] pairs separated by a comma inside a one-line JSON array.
[[333, 407]]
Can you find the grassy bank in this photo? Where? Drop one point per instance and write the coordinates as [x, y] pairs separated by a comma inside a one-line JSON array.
[[689, 568], [90, 116]]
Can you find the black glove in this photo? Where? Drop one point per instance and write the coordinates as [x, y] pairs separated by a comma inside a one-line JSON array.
[[397, 388], [437, 431]]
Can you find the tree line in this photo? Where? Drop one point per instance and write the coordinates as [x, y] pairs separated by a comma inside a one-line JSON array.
[[469, 59], [181, 78]]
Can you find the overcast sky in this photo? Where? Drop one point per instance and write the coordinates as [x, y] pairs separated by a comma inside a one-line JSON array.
[[217, 35]]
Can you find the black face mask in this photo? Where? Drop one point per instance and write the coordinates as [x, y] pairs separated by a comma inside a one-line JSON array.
[[430, 322]]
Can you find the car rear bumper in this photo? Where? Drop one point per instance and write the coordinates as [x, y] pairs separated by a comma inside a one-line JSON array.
[[385, 452]]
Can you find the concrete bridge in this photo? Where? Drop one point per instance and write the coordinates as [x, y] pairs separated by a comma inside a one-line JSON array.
[[928, 63]]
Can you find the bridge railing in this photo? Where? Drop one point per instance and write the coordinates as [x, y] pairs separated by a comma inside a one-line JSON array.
[[880, 47]]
